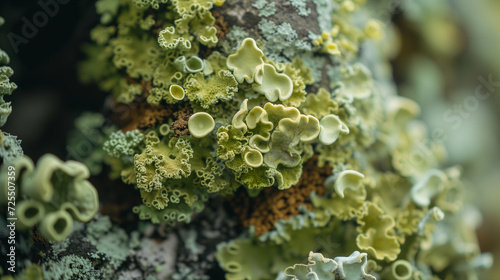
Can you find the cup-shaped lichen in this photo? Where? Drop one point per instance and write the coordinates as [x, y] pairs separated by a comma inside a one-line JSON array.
[[30, 212], [245, 61], [201, 124], [296, 94], [176, 92]]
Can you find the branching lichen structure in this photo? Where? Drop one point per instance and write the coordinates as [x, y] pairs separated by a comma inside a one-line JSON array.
[[283, 110]]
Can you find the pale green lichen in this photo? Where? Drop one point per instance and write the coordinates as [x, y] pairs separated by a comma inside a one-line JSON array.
[[325, 10], [319, 104], [168, 39], [272, 84], [10, 146], [149, 58], [378, 236], [354, 81], [266, 9], [281, 39], [331, 128], [348, 179], [53, 194], [280, 134], [274, 102], [259, 4], [245, 62], [6, 88], [70, 267], [430, 186]]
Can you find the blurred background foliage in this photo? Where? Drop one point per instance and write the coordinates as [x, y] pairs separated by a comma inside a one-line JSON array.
[[446, 48]]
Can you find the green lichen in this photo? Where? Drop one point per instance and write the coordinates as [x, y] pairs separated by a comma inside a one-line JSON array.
[[111, 241], [279, 134], [201, 124], [122, 144], [321, 268], [319, 104], [207, 92], [301, 6], [245, 62], [160, 160], [248, 112], [10, 146], [378, 236], [281, 39], [71, 267], [325, 10], [51, 195], [150, 58], [266, 9], [86, 141]]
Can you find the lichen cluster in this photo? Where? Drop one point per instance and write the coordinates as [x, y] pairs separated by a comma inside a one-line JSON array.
[[231, 119], [254, 111], [301, 131]]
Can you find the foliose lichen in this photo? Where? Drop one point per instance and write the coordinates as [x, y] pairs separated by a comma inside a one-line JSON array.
[[10, 146], [51, 195]]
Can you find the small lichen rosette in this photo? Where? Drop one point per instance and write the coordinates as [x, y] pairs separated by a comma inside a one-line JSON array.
[[51, 195]]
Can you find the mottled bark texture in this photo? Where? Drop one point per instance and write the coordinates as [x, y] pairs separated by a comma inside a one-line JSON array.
[[243, 14]]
